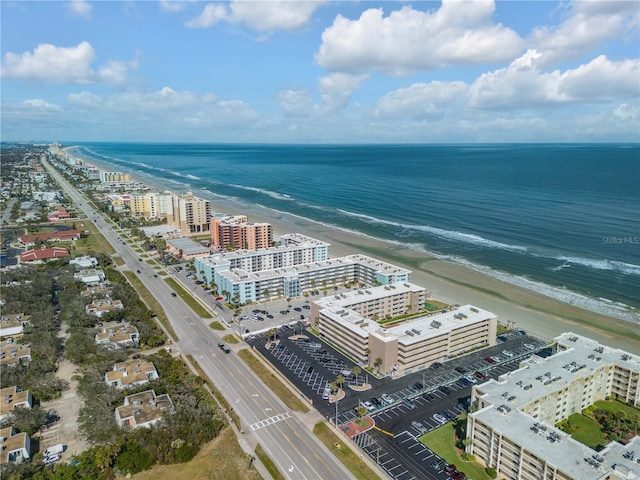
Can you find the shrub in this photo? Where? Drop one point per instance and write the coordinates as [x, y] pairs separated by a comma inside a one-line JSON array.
[[491, 472]]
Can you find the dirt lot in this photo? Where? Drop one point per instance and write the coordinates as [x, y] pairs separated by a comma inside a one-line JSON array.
[[65, 430]]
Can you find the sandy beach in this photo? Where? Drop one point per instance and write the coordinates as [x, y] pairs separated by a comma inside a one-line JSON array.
[[447, 281]]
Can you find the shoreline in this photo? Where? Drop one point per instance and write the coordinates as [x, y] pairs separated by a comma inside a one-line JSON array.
[[447, 281]]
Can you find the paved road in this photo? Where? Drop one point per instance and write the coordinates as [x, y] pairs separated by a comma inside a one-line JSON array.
[[288, 442]]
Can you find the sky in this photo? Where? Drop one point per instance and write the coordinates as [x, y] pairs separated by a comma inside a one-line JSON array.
[[320, 71]]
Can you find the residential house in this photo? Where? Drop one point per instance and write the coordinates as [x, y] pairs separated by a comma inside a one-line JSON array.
[[100, 307], [13, 324], [118, 338], [143, 409], [44, 254], [12, 399], [131, 373], [14, 354], [14, 447]]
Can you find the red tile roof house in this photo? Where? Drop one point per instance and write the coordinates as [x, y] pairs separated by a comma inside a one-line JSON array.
[[61, 236], [59, 215], [43, 254]]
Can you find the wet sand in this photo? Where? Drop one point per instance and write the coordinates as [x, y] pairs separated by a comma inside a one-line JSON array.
[[447, 281]]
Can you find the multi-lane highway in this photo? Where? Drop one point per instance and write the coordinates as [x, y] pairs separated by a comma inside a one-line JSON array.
[[298, 454]]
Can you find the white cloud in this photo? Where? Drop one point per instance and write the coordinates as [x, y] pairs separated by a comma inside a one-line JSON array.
[[41, 105], [81, 8], [524, 85], [408, 40], [587, 25], [67, 65], [171, 6], [422, 100], [336, 89], [211, 15], [52, 64], [628, 112], [165, 99], [261, 16], [295, 103]]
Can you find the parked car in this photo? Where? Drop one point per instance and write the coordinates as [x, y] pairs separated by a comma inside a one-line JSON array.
[[409, 403], [386, 398], [435, 365], [489, 359], [440, 418], [529, 346], [480, 376], [366, 404], [507, 353], [376, 402], [445, 390], [460, 370], [420, 427]]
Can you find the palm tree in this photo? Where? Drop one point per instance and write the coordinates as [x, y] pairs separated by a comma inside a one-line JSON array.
[[340, 380], [225, 294], [362, 410], [377, 362], [356, 371]]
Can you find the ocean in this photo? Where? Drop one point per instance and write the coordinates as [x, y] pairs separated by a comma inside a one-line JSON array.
[[560, 219]]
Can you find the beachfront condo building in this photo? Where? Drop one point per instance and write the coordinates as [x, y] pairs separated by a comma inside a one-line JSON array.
[[513, 427], [235, 232], [114, 177], [353, 324], [300, 264], [151, 205], [190, 214]]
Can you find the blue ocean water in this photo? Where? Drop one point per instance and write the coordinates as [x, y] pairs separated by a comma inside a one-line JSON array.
[[562, 219]]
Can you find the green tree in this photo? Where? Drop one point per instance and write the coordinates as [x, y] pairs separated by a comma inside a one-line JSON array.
[[356, 371]]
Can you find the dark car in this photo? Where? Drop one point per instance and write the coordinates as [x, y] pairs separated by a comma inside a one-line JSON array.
[[445, 390], [376, 402], [489, 360], [435, 365], [461, 370], [173, 294], [298, 309], [480, 375], [450, 469], [418, 386]]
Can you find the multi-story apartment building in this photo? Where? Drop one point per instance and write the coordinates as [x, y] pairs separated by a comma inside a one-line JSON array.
[[409, 346], [236, 232], [300, 264], [152, 205], [114, 177], [190, 214], [513, 428]]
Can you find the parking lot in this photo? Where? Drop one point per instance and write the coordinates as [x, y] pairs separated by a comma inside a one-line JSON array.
[[431, 397]]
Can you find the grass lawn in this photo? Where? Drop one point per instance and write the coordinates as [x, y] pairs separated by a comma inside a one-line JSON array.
[[232, 339], [440, 441], [268, 463], [612, 406], [220, 459], [433, 305], [151, 302], [348, 457], [186, 296], [216, 325], [274, 384], [584, 430]]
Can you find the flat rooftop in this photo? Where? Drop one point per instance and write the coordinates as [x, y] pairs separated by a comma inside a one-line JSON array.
[[540, 377], [353, 297], [421, 328], [556, 372]]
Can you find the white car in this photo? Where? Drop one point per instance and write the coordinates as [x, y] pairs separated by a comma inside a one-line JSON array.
[[495, 359], [439, 418], [471, 378], [420, 427], [507, 353], [51, 459], [386, 398], [368, 405], [529, 346]]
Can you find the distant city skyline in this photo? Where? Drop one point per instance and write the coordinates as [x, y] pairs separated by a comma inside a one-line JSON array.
[[321, 71]]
